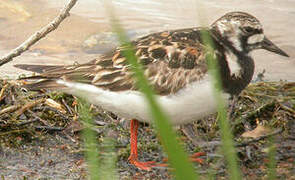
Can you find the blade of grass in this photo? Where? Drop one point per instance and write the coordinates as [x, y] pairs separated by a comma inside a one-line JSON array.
[[176, 154], [109, 158], [226, 135], [271, 166], [99, 167], [89, 139]]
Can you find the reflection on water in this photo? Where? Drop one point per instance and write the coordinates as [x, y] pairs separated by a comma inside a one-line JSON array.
[[85, 34]]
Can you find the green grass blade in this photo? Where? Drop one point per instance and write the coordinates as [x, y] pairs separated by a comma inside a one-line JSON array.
[[99, 167], [178, 159], [89, 137], [108, 159], [226, 135], [271, 166]]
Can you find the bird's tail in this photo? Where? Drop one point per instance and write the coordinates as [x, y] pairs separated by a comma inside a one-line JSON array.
[[38, 82], [36, 68]]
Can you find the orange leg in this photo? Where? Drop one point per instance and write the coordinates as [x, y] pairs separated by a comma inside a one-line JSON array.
[[133, 158]]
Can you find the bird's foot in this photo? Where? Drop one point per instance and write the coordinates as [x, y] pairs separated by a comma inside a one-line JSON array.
[[194, 157], [148, 165]]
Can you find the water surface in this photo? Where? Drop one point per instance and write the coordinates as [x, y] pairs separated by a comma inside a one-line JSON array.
[[86, 32]]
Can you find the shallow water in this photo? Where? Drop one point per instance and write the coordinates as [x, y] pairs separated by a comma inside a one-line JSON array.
[[86, 32]]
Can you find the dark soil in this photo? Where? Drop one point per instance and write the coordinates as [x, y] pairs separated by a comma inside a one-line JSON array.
[[40, 136]]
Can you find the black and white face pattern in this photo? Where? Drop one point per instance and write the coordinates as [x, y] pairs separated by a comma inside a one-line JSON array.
[[243, 31], [252, 37]]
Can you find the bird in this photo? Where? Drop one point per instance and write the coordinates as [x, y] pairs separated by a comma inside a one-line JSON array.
[[174, 62]]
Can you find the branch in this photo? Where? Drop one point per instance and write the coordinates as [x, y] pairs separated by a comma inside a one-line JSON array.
[[64, 13]]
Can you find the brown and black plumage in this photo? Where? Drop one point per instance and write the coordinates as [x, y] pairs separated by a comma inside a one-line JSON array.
[[170, 59], [174, 63]]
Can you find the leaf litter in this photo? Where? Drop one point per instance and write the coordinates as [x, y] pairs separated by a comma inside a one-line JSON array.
[[40, 135]]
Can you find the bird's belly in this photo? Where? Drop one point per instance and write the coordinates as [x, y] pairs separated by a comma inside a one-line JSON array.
[[184, 112], [193, 102]]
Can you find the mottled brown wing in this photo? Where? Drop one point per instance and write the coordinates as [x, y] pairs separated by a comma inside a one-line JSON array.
[[171, 60]]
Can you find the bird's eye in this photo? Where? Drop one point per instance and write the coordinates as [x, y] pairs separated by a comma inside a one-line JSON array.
[[248, 29]]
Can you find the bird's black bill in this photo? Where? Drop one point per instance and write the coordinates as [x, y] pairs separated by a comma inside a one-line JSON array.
[[270, 46]]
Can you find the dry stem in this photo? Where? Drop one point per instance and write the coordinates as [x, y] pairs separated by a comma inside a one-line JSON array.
[[39, 34]]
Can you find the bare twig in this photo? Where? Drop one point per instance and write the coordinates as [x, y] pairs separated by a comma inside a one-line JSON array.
[[40, 119], [19, 131], [2, 91], [67, 106], [39, 34], [9, 109], [286, 108], [28, 106], [62, 115], [49, 128], [27, 122]]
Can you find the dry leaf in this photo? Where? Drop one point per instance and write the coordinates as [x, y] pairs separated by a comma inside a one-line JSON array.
[[257, 132]]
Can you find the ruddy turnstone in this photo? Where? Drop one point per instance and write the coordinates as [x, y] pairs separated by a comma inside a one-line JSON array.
[[174, 62]]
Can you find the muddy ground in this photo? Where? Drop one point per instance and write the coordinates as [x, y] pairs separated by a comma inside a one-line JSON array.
[[40, 135]]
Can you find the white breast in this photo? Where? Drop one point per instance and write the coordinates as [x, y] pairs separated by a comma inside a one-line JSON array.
[[191, 103], [234, 66]]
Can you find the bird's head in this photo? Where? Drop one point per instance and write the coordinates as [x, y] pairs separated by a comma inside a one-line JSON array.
[[244, 33]]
